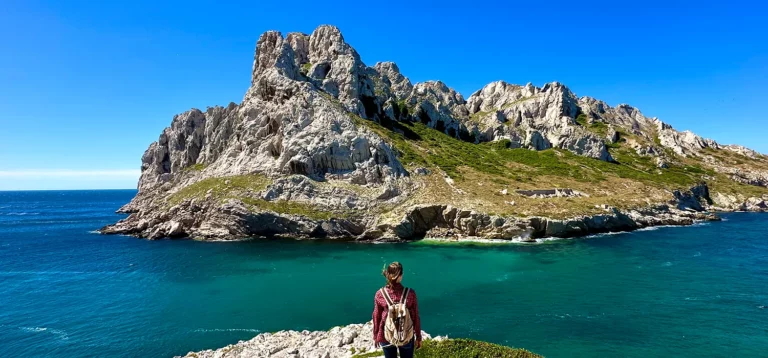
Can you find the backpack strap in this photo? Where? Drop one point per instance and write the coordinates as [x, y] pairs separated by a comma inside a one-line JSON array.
[[404, 299], [384, 293]]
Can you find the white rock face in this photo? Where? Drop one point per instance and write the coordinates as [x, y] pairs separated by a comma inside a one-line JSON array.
[[438, 106], [283, 125], [399, 85], [537, 118], [337, 68], [621, 116], [339, 342], [683, 143], [743, 151], [740, 203], [552, 193]]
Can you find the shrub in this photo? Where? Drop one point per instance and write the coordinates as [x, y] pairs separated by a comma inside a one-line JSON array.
[[462, 348], [466, 348]]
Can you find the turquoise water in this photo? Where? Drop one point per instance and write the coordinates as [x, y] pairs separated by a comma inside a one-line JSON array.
[[700, 291]]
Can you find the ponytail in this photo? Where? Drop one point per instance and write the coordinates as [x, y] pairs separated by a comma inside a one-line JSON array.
[[392, 273]]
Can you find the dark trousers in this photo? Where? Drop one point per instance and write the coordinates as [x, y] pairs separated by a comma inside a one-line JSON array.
[[390, 351]]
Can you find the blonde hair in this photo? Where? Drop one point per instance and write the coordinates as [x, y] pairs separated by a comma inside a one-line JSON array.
[[392, 272]]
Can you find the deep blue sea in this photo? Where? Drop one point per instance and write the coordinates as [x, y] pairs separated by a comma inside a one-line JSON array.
[[65, 291]]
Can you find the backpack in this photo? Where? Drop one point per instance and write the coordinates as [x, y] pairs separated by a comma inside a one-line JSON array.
[[398, 327]]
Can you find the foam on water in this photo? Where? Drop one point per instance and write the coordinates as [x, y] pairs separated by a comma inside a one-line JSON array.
[[467, 241], [606, 234], [571, 316], [250, 330], [59, 334]]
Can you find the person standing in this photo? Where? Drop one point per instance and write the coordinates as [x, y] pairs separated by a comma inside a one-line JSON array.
[[396, 321]]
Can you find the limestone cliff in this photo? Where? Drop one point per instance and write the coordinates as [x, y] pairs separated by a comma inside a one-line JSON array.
[[338, 342], [323, 145]]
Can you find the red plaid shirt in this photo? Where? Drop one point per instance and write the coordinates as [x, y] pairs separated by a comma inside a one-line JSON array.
[[380, 311]]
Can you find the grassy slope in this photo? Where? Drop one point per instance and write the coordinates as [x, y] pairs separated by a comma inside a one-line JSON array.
[[481, 171], [462, 348], [721, 182], [244, 187]]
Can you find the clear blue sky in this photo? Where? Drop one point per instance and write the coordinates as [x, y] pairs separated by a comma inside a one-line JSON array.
[[85, 86]]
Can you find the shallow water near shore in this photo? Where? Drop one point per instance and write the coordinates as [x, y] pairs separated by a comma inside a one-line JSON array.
[[67, 292]]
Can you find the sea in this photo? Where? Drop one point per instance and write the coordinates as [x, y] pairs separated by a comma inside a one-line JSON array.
[[67, 291]]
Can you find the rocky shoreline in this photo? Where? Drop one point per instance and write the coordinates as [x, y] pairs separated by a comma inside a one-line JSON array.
[[338, 342], [234, 221]]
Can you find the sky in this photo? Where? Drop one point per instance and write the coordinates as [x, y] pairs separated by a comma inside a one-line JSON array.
[[86, 86]]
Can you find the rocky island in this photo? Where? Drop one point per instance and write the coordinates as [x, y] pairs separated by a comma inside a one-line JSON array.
[[324, 146]]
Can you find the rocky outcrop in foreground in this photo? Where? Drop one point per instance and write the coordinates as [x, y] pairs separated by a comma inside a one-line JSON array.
[[339, 342], [324, 146]]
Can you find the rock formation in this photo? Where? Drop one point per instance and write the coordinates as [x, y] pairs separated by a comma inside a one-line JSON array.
[[323, 146], [536, 118], [339, 342]]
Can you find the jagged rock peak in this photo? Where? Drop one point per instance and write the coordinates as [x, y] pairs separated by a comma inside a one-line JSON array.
[[532, 117], [387, 66], [399, 85], [683, 143], [743, 151], [439, 106], [299, 42], [554, 86], [438, 88], [327, 42], [272, 51], [498, 94], [495, 95]]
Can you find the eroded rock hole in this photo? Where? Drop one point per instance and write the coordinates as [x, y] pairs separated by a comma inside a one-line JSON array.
[[440, 125], [297, 167], [424, 117], [371, 108]]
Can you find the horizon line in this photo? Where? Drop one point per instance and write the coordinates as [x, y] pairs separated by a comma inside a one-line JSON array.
[[20, 190], [39, 173]]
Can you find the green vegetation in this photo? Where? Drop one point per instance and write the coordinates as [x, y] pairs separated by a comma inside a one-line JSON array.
[[581, 119], [195, 167], [288, 207], [305, 68], [596, 127], [220, 188], [521, 100], [462, 348], [466, 348], [483, 173], [240, 187], [429, 147], [328, 96], [402, 108], [657, 140], [722, 182], [480, 114], [407, 152], [377, 353], [475, 117]]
